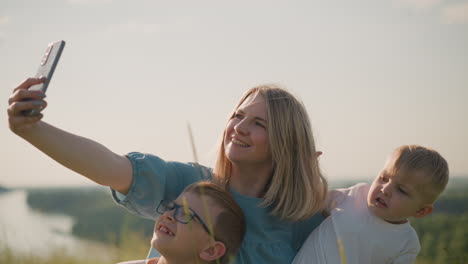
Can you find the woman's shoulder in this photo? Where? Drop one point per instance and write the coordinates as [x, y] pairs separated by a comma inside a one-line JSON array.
[[274, 240]]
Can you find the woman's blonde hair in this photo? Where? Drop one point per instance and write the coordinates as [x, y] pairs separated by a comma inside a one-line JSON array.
[[297, 189]]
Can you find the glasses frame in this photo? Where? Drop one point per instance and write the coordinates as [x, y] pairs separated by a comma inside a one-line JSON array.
[[162, 208]]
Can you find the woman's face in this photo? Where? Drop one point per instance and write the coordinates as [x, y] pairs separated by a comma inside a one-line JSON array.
[[246, 138]]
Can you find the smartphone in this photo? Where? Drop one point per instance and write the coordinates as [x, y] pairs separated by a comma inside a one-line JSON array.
[[46, 69]]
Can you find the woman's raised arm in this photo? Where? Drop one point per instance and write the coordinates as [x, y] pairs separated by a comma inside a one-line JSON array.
[[84, 156]]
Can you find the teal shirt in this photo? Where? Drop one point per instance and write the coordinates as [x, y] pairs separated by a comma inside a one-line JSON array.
[[267, 240]]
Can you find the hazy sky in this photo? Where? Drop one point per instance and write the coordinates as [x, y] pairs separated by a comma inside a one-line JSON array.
[[373, 74]]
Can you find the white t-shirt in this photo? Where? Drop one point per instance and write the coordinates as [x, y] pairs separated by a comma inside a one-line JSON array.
[[365, 238]]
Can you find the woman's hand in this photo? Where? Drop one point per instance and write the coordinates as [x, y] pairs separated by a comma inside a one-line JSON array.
[[22, 99]]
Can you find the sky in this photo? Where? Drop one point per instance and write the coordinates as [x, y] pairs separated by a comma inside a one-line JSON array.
[[373, 75]]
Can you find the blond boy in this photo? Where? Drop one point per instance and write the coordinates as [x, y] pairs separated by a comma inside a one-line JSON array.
[[203, 225], [368, 224]]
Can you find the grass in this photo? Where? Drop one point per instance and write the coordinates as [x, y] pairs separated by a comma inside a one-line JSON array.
[[133, 247]]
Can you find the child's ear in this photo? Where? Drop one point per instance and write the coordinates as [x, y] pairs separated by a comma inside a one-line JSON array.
[[213, 251], [424, 211]]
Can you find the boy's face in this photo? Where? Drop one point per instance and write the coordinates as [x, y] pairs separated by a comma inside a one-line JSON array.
[[184, 241], [395, 196]]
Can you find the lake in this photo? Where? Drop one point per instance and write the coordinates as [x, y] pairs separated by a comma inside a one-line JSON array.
[[29, 231]]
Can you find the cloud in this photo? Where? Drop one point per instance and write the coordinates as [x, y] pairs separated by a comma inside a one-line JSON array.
[[455, 13]]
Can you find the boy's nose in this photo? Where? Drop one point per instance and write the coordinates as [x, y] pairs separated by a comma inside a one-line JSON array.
[[386, 190], [169, 215]]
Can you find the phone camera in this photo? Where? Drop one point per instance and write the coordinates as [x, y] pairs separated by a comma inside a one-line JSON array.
[[46, 55]]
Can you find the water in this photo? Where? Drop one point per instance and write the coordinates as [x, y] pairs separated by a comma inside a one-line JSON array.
[[28, 231]]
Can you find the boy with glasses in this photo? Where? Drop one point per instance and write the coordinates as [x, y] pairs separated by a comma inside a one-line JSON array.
[[203, 225]]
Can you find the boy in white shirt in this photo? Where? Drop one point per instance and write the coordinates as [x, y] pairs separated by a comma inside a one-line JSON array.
[[203, 225], [368, 224]]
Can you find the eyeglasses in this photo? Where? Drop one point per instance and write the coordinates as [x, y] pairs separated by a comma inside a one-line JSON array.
[[181, 216]]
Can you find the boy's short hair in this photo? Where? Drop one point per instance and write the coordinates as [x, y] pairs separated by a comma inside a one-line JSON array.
[[229, 226], [412, 158]]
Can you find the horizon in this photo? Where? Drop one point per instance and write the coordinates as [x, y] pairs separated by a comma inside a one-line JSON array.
[[452, 180]]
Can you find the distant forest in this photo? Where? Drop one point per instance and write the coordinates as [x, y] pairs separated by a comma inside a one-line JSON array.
[[3, 189], [97, 216], [443, 234]]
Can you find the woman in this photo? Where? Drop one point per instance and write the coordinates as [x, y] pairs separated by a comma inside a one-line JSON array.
[[267, 159]]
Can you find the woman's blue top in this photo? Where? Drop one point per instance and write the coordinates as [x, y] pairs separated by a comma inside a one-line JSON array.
[[267, 240]]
